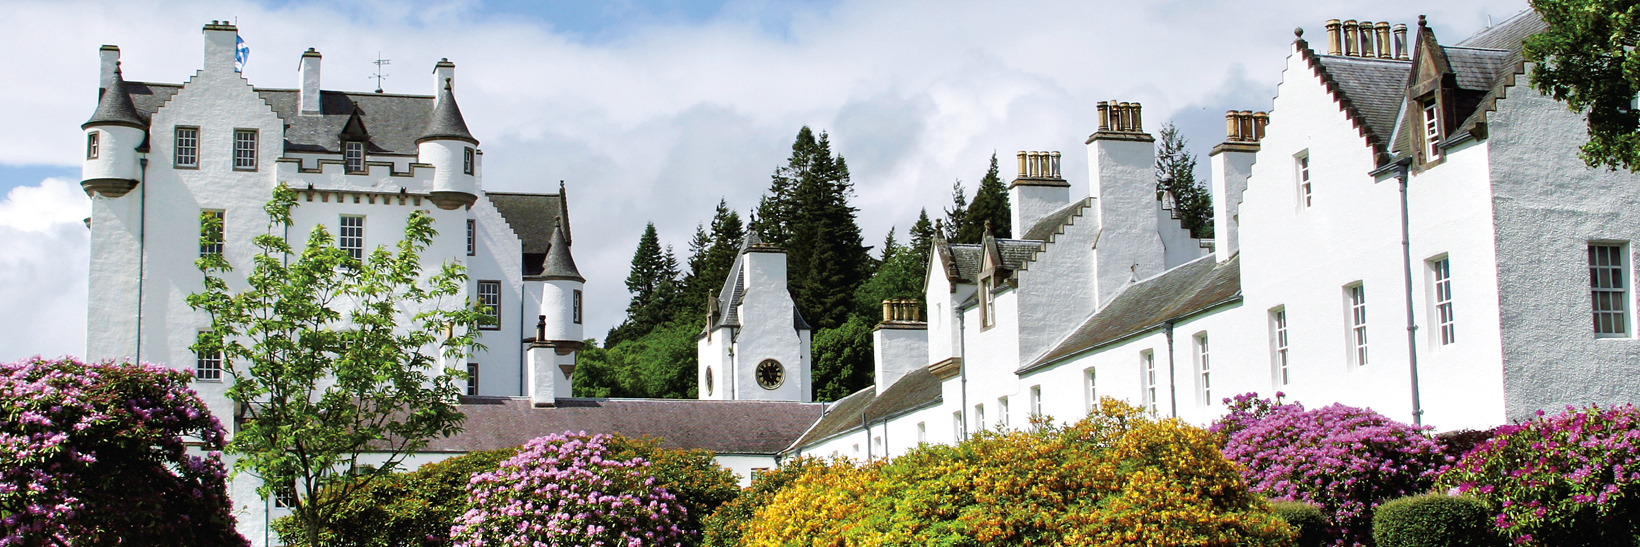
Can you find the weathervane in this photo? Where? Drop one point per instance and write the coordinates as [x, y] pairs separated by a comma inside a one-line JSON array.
[[379, 76]]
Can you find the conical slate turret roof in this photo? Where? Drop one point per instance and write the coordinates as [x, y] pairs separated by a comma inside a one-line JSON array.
[[559, 264], [115, 107], [447, 123]]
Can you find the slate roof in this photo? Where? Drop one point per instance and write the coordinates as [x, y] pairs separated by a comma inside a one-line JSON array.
[[532, 217], [392, 121], [915, 390], [1050, 225], [447, 123], [968, 258], [559, 264], [725, 427], [1370, 90], [1484, 66], [1179, 293], [115, 107]]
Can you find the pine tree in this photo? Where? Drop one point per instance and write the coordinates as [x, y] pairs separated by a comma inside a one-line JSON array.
[[826, 257], [1176, 174], [776, 211], [958, 212], [922, 236], [653, 284], [990, 204]]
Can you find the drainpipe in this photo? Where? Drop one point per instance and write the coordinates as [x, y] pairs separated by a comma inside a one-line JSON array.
[[1172, 386], [962, 368], [1399, 171], [142, 254]]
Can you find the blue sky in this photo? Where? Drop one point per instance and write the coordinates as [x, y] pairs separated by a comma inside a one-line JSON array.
[[654, 111]]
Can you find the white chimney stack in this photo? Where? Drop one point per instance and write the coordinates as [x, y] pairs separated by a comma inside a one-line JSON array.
[[110, 62], [310, 81], [443, 73], [221, 46]]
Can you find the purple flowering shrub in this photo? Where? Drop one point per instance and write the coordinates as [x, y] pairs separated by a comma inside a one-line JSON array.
[[1345, 460], [568, 490], [1569, 479], [95, 454]]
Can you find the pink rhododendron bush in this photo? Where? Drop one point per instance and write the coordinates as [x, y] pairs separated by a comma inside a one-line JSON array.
[[1568, 479], [568, 490], [95, 454], [1343, 459]]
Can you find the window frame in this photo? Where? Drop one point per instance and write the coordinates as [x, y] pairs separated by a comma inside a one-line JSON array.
[[467, 160], [348, 158], [1204, 368], [1440, 301], [1431, 108], [922, 432], [93, 144], [1147, 380], [1090, 388], [219, 239], [472, 237], [1306, 183], [1355, 322], [249, 150], [472, 379], [495, 309], [956, 426], [356, 252], [987, 302], [1280, 350], [575, 306], [979, 417], [208, 366], [1619, 287], [1002, 412], [190, 144]]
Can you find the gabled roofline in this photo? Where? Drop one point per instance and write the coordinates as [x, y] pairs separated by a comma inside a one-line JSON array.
[[1380, 147]]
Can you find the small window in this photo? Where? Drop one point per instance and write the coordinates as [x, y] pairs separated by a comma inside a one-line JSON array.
[[467, 161], [489, 294], [1441, 271], [1036, 400], [91, 151], [575, 306], [1002, 412], [210, 234], [1356, 300], [1608, 290], [284, 497], [244, 149], [1306, 194], [988, 311], [208, 366], [1432, 128], [956, 426], [1090, 388], [1204, 370], [353, 152], [1278, 346], [352, 236], [187, 147], [922, 432], [1147, 376], [472, 237], [472, 378], [979, 417]]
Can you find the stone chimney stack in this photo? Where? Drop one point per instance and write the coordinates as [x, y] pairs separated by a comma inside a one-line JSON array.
[[1037, 191], [1400, 31], [1334, 45], [1122, 167], [310, 82], [221, 46], [1231, 163]]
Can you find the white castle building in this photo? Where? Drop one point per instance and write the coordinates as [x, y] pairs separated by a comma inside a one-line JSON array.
[[1409, 229]]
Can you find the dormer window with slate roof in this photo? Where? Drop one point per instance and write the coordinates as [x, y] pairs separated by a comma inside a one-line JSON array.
[[1432, 127], [353, 153]]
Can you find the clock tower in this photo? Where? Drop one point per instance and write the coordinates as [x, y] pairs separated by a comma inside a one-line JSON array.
[[756, 344]]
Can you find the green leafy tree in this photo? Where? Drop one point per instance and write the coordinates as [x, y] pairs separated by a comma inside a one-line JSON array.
[[408, 509], [843, 359], [1176, 174], [724, 526], [659, 364], [1587, 59], [334, 357], [711, 259], [900, 277], [990, 205]]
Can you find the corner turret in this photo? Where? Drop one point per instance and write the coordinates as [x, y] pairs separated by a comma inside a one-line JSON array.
[[451, 150], [558, 330], [112, 136]]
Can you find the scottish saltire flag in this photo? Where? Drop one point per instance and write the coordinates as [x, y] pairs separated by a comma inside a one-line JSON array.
[[241, 54]]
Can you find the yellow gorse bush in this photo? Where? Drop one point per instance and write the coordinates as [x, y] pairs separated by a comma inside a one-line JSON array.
[[1116, 477]]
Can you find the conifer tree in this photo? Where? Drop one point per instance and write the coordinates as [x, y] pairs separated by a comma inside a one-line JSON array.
[[653, 284], [990, 205], [1176, 174], [922, 236], [957, 213], [825, 255]]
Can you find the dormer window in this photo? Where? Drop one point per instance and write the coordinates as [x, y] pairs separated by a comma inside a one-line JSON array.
[[1432, 128], [988, 303], [353, 152]]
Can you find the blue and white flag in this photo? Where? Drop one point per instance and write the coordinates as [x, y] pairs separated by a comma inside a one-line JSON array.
[[241, 54]]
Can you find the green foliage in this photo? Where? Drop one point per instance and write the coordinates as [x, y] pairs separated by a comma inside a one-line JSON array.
[[711, 255], [317, 388], [843, 361], [990, 206], [413, 509], [957, 215], [898, 277], [1115, 478], [1176, 173], [1587, 59], [922, 237], [724, 527], [1305, 520], [658, 364], [700, 484], [653, 282], [1434, 520]]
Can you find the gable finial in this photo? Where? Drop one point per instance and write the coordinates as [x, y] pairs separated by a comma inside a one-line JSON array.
[[1422, 22], [1298, 32]]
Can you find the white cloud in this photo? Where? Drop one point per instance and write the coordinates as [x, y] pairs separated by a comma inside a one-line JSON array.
[[663, 120], [44, 258]]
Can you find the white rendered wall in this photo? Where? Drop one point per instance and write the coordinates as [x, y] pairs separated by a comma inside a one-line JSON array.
[[895, 352], [1549, 207], [1229, 170], [1123, 182], [498, 256], [116, 153], [1057, 289], [714, 351], [1178, 245], [1030, 202], [768, 331], [447, 159]]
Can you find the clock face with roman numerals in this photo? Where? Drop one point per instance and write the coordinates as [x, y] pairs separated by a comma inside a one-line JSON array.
[[770, 374]]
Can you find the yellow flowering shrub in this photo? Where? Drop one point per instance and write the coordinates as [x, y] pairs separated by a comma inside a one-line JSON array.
[[1114, 478]]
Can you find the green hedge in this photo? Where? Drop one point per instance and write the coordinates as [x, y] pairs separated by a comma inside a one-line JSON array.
[[1434, 520], [1305, 519]]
